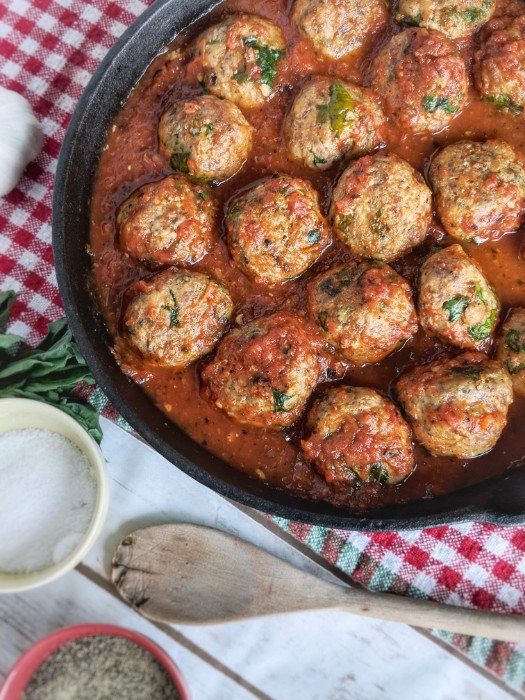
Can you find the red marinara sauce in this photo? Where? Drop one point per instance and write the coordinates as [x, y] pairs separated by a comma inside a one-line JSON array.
[[131, 158]]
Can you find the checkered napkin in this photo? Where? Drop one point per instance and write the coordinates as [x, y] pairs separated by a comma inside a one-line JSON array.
[[48, 51]]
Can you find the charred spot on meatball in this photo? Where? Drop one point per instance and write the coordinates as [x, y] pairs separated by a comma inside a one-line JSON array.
[[238, 59], [176, 316], [356, 435], [457, 407], [205, 137], [170, 222], [499, 64], [364, 309], [455, 18], [456, 302], [337, 29], [421, 78], [511, 348], [479, 189], [329, 119], [265, 371], [381, 207], [276, 230]]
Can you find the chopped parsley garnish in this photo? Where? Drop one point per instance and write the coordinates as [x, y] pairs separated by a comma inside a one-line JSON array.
[[203, 195], [241, 76], [337, 110], [514, 369], [378, 226], [319, 161], [279, 399], [179, 161], [503, 102], [455, 307], [267, 59], [233, 211], [173, 311], [469, 371], [378, 474], [513, 340], [478, 293], [482, 330], [431, 104], [335, 284], [412, 20], [314, 236], [472, 14], [208, 128]]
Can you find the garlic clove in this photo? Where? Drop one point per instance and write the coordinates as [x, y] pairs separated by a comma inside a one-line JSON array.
[[20, 138]]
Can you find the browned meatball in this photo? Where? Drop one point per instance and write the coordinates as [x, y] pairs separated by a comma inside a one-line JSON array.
[[456, 302], [357, 435], [511, 348], [265, 371], [170, 222], [205, 137], [365, 310], [177, 316], [499, 65], [337, 28], [381, 207], [329, 119], [455, 18], [238, 59], [479, 189], [457, 407], [422, 79], [276, 230]]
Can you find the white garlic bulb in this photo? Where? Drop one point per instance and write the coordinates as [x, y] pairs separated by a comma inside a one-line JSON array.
[[20, 138]]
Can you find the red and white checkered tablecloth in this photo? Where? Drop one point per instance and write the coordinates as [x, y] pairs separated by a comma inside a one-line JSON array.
[[48, 51]]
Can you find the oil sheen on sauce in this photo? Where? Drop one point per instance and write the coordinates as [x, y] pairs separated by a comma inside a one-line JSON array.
[[131, 158]]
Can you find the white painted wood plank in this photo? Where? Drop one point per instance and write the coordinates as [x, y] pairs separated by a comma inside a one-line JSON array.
[[73, 599], [325, 656]]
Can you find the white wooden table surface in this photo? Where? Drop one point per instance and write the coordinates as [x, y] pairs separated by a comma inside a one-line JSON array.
[[310, 656]]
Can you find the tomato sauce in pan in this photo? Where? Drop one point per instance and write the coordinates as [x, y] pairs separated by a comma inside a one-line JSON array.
[[131, 158]]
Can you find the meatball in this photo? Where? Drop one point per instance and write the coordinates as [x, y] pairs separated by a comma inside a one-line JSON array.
[[365, 310], [170, 222], [205, 137], [499, 65], [329, 119], [357, 435], [456, 302], [457, 407], [177, 316], [276, 230], [479, 189], [265, 371], [381, 207], [238, 59], [337, 28], [422, 79], [511, 348], [455, 18]]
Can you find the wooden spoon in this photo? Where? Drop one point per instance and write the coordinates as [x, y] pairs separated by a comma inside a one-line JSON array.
[[188, 574]]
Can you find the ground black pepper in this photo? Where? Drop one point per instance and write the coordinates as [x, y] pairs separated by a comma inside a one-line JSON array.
[[103, 667]]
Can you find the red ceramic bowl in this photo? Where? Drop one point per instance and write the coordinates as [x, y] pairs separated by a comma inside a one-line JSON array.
[[21, 673]]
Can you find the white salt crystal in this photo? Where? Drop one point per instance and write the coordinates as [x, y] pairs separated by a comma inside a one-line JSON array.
[[47, 499]]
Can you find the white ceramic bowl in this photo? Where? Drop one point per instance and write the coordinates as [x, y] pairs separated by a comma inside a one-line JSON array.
[[17, 414]]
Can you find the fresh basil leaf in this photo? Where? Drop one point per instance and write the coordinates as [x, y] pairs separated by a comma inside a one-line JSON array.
[[378, 474], [482, 330], [7, 299]]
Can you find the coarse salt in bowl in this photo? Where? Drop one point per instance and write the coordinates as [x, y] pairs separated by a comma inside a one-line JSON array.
[[67, 510]]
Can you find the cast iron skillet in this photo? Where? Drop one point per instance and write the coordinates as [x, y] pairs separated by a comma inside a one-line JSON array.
[[500, 501]]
